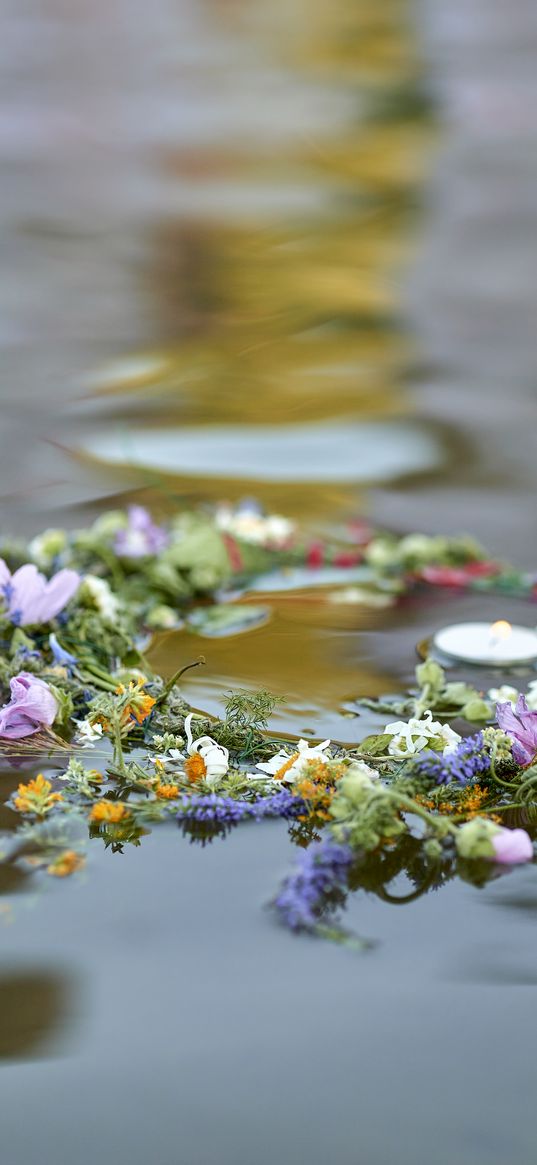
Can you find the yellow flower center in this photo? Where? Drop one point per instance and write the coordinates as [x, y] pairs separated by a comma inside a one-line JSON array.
[[195, 768], [285, 767]]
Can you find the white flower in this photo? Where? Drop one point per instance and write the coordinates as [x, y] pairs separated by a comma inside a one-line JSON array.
[[417, 546], [214, 756], [87, 734], [290, 767], [504, 694], [251, 525], [360, 771], [103, 597], [381, 552], [413, 735]]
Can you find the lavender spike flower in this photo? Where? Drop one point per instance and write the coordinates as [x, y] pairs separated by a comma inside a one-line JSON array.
[[31, 707], [521, 726], [31, 598], [141, 536], [322, 869], [468, 760], [212, 809]]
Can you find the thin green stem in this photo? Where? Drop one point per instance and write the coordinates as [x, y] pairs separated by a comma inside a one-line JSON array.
[[176, 677], [498, 780], [422, 701], [119, 758], [408, 805]]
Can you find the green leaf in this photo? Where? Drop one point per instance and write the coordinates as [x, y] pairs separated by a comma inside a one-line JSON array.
[[477, 710], [226, 619], [430, 674], [376, 745], [459, 693]]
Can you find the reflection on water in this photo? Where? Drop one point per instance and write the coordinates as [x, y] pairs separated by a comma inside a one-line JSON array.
[[274, 289], [35, 1006]]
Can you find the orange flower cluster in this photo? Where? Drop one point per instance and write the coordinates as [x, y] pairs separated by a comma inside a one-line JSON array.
[[140, 704], [167, 792], [66, 863], [109, 812], [317, 786], [195, 768], [136, 709], [470, 803], [36, 797]]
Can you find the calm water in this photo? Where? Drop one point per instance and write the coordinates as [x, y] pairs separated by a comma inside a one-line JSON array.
[[287, 252]]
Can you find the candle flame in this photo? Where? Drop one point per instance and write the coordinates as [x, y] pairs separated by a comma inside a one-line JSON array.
[[501, 630]]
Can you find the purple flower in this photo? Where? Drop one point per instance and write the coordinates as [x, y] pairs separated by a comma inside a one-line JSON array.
[[321, 870], [512, 846], [31, 598], [141, 536], [32, 705], [213, 809], [521, 726], [468, 760]]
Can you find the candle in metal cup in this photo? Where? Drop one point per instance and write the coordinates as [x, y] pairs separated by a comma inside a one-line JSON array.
[[496, 645]]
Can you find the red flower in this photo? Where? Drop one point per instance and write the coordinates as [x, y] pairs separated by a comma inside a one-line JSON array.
[[233, 553], [457, 576], [315, 555], [347, 558]]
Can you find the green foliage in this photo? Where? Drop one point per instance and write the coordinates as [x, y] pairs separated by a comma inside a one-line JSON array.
[[376, 745], [444, 698], [246, 718]]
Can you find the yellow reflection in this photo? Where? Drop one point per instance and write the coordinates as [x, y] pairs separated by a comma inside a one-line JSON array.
[[296, 655], [282, 315]]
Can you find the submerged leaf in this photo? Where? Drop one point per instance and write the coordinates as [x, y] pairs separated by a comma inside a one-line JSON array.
[[226, 619]]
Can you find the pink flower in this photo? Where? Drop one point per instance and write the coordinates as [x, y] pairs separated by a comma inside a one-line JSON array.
[[32, 705], [521, 725], [512, 846], [31, 598]]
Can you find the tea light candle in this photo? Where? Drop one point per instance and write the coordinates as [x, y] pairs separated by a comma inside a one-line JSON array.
[[496, 645]]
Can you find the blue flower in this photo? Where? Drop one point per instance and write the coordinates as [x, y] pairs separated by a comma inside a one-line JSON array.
[[320, 871], [468, 760], [61, 656], [214, 810]]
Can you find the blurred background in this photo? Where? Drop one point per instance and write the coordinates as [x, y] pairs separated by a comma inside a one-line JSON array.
[[283, 250]]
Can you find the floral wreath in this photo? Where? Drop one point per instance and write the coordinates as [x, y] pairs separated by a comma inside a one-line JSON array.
[[77, 611]]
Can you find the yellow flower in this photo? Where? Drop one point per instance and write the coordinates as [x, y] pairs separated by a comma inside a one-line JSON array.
[[140, 704], [36, 797], [66, 863], [108, 811], [167, 792]]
